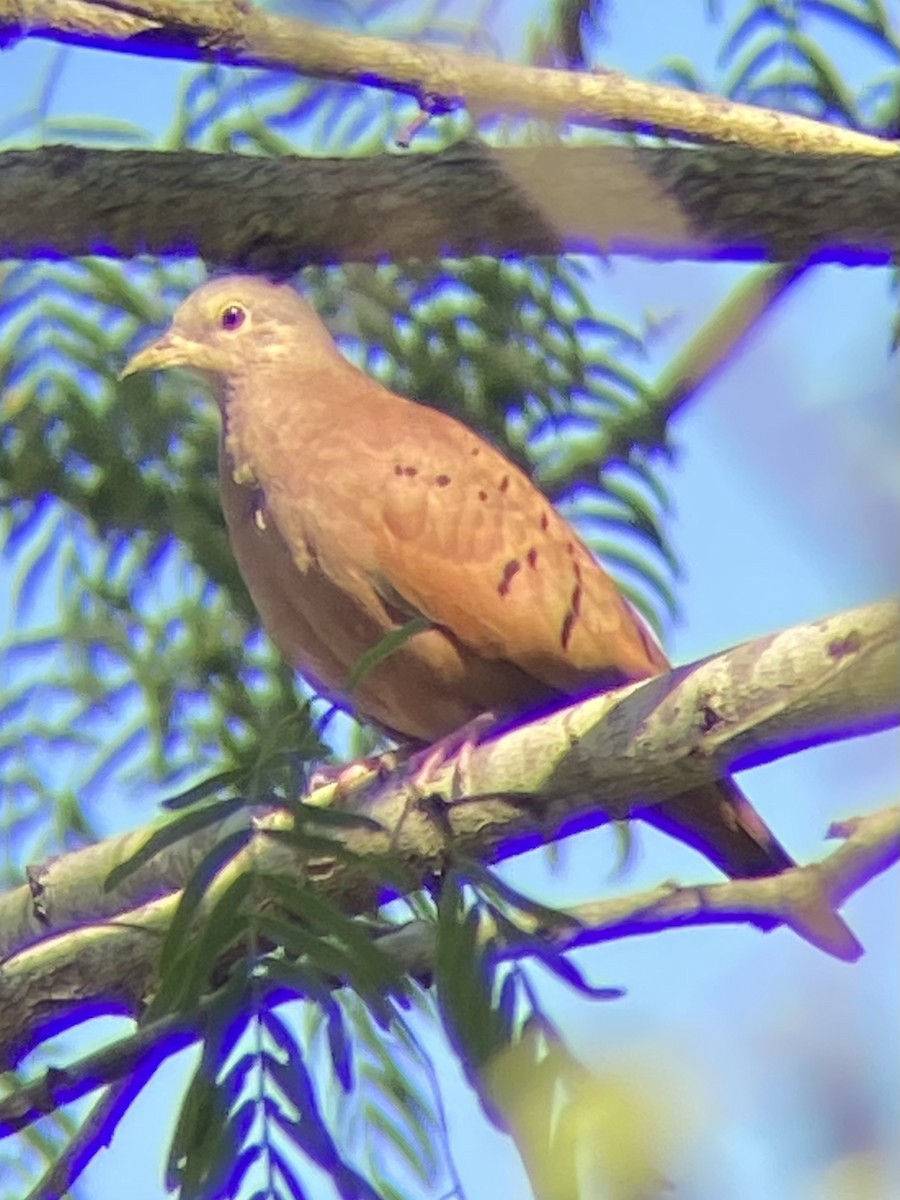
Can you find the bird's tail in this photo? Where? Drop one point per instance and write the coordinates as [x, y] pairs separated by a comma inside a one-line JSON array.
[[719, 821]]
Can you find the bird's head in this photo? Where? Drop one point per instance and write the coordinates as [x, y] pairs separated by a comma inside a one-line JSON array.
[[233, 323]]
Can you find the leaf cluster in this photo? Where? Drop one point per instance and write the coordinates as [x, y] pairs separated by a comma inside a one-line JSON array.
[[343, 1082], [780, 54]]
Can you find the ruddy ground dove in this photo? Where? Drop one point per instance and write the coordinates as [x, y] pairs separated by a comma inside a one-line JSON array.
[[352, 510]]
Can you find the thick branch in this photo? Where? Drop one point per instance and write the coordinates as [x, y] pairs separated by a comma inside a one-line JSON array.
[[872, 846], [277, 215], [830, 679], [229, 31]]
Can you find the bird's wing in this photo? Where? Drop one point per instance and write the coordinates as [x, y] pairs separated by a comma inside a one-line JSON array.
[[465, 538]]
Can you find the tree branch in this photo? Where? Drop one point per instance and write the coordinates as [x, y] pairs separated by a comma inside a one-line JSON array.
[[872, 845], [67, 942], [93, 1135], [236, 33], [277, 215]]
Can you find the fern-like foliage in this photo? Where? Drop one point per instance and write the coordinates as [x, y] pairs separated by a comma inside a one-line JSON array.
[[282, 1091], [340, 1084], [134, 659], [781, 54], [149, 659], [134, 647]]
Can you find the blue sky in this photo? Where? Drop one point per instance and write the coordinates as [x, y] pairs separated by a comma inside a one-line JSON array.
[[786, 509]]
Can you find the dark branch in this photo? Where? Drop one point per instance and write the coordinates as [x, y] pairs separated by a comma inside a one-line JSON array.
[[277, 215]]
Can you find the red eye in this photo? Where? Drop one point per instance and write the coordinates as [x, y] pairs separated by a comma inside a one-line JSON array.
[[232, 317]]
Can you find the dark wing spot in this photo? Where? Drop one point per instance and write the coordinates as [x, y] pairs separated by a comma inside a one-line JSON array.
[[567, 626], [511, 569], [571, 616], [475, 451], [398, 470], [570, 548], [576, 567], [442, 480], [532, 557], [482, 495], [504, 483], [410, 471], [545, 522]]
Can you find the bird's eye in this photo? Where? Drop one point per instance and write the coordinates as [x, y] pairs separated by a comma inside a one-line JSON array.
[[232, 317]]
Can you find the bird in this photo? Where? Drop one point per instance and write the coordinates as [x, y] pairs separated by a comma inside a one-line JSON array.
[[352, 511]]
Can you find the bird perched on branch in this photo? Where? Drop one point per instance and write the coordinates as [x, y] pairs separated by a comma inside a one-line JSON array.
[[352, 511]]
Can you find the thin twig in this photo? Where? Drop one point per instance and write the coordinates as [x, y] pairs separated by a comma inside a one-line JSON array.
[[95, 1132], [241, 35]]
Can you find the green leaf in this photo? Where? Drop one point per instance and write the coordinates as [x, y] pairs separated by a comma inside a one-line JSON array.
[[108, 129], [335, 818], [206, 787], [494, 886], [222, 928], [285, 1173], [400, 1142], [178, 947], [390, 643], [167, 835], [464, 980], [327, 920], [197, 1112]]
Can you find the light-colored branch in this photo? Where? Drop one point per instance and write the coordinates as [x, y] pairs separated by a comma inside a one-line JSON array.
[[276, 215], [574, 768], [228, 31], [784, 198], [872, 845]]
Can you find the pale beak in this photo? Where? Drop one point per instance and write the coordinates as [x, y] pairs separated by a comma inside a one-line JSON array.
[[170, 350]]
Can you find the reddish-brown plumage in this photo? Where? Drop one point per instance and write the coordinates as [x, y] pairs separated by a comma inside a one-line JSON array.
[[369, 509]]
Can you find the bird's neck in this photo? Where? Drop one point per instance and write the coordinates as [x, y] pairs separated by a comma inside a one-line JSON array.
[[269, 414], [238, 441]]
